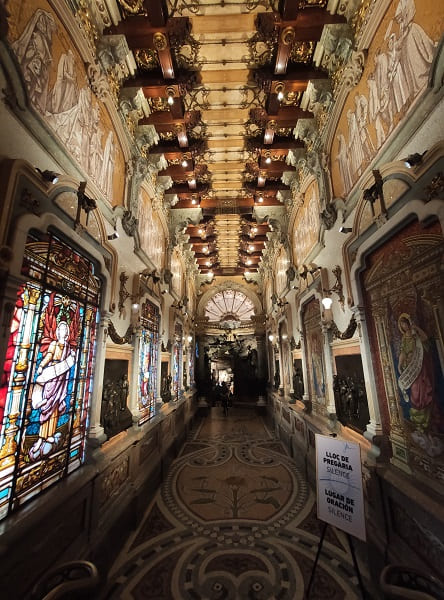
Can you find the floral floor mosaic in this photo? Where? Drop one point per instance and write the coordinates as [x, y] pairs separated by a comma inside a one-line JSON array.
[[234, 520]]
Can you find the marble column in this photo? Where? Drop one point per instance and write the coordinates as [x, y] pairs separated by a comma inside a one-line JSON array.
[[96, 433], [328, 361], [374, 428]]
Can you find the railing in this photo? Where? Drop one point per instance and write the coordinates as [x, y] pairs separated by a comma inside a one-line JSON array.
[[71, 580]]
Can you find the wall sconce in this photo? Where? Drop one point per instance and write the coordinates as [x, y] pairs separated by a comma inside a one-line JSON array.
[[260, 199], [49, 176], [304, 270], [343, 229], [337, 289], [189, 339], [113, 236], [271, 337], [83, 203], [413, 159], [123, 292], [281, 303], [151, 275], [375, 192]]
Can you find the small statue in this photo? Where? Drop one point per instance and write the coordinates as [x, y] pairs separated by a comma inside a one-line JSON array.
[[124, 388], [298, 384]]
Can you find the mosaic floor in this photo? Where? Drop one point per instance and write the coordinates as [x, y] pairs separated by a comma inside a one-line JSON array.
[[233, 520]]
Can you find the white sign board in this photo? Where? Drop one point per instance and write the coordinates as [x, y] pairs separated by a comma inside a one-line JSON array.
[[339, 485]]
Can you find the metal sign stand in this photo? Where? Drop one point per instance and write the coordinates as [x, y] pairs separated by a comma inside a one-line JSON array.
[[355, 563]]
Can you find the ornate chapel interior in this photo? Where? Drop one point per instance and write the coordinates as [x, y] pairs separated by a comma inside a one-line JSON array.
[[200, 191]]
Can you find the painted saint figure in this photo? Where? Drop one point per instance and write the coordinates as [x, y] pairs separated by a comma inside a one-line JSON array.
[[416, 371], [64, 92], [416, 49], [50, 389], [34, 53]]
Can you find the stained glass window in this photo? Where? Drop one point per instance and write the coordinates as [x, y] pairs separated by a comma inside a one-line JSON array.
[[45, 390], [149, 351], [230, 308], [177, 360]]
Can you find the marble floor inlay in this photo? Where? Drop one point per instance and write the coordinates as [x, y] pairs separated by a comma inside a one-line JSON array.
[[233, 520]]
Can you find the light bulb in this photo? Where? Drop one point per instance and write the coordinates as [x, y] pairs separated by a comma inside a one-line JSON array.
[[268, 160], [170, 100], [184, 163], [280, 96], [327, 302], [260, 199]]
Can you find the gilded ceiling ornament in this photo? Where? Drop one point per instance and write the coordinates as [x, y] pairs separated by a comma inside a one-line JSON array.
[[186, 52], [360, 17], [288, 36], [158, 104], [90, 30], [167, 135], [197, 98], [160, 41], [133, 7], [305, 3], [292, 99], [302, 52], [146, 58], [260, 49], [284, 131]]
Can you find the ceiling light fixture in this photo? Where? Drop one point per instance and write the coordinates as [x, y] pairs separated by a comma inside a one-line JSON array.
[[170, 96]]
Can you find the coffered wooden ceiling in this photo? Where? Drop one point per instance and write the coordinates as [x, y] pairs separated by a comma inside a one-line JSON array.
[[224, 82]]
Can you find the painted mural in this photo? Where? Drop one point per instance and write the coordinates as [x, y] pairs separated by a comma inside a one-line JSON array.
[[403, 284], [306, 224], [151, 234], [58, 90], [396, 73], [314, 343]]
